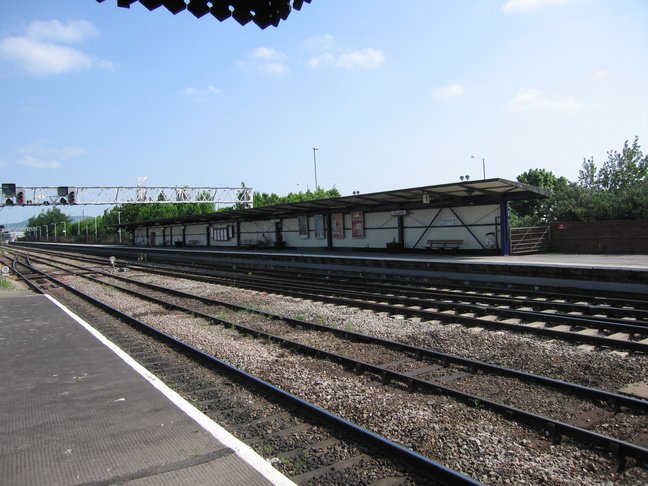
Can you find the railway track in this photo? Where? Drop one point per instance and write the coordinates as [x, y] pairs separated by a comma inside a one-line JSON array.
[[415, 369], [307, 443], [607, 320]]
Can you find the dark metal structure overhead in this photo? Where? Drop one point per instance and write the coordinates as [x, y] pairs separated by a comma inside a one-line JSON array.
[[262, 12], [481, 192]]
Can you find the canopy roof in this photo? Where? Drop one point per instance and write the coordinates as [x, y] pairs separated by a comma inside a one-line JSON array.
[[262, 12], [487, 191]]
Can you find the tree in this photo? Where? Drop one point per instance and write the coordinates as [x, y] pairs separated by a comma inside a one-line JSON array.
[[536, 211], [263, 199], [624, 170], [56, 222], [616, 191]]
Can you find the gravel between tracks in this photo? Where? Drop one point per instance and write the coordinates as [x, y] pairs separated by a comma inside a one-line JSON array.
[[473, 441]]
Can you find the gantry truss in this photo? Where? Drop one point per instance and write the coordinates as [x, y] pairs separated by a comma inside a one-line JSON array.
[[52, 196]]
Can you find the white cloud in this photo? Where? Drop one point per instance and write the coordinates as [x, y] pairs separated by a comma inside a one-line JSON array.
[[42, 156], [600, 74], [55, 31], [333, 55], [321, 43], [449, 91], [41, 52], [267, 60], [535, 99], [37, 163], [512, 5], [364, 60], [202, 92], [43, 58]]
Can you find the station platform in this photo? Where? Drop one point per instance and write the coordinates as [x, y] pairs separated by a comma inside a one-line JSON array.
[[74, 410]]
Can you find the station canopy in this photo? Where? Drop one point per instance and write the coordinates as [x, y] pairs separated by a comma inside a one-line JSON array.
[[261, 12], [467, 193]]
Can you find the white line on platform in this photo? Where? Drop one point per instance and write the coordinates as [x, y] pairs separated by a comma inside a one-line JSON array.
[[242, 450]]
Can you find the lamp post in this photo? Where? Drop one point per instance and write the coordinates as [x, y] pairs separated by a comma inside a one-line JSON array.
[[301, 184], [54, 231], [119, 222], [315, 165], [483, 163]]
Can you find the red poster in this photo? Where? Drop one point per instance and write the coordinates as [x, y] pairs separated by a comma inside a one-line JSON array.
[[357, 224]]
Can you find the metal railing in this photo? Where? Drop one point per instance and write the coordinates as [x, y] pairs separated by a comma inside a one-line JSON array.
[[533, 239]]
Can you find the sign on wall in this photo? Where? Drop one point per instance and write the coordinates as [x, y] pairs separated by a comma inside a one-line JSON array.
[[318, 221], [357, 224], [303, 227], [337, 225]]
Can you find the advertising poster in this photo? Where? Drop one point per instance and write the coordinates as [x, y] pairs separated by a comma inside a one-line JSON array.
[[337, 223], [318, 221], [357, 224], [303, 227]]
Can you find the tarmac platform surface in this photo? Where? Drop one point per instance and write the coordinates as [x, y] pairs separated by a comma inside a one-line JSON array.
[[73, 412]]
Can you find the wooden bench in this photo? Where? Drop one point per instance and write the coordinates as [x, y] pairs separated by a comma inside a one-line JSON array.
[[442, 245]]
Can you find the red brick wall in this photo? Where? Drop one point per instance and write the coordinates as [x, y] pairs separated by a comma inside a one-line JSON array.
[[600, 237]]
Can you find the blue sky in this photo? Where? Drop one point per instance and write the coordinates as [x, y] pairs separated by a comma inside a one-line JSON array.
[[395, 94]]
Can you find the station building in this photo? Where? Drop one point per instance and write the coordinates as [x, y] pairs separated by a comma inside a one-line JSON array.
[[467, 217]]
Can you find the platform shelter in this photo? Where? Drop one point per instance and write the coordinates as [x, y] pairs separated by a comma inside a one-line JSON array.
[[463, 217]]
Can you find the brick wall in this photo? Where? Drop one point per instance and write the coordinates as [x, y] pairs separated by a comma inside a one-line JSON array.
[[600, 237]]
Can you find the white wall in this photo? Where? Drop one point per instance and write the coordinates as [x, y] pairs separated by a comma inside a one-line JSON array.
[[379, 229]]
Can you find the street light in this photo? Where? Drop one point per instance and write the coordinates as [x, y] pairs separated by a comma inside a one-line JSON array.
[[483, 163], [315, 165]]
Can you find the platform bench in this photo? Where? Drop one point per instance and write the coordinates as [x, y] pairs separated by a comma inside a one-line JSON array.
[[249, 244], [442, 245]]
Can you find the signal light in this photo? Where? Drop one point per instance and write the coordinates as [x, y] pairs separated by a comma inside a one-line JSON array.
[[9, 202], [9, 190], [20, 197], [72, 197]]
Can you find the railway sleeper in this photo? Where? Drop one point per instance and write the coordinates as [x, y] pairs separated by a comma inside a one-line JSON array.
[[338, 466]]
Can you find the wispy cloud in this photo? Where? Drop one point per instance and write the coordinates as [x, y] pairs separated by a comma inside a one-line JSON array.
[[209, 90], [535, 99], [332, 55], [513, 5], [267, 61], [37, 163], [42, 50], [42, 156], [449, 91]]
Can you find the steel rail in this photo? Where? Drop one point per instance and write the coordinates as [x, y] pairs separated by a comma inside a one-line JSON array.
[[530, 316], [421, 288], [555, 428], [195, 257], [612, 399], [572, 321], [420, 463]]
